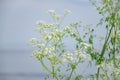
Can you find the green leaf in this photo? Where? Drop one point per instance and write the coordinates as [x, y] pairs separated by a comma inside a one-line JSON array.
[[113, 40], [91, 39]]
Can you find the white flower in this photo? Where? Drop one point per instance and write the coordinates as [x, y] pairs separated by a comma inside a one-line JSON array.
[[40, 44], [52, 49], [86, 45], [57, 17], [67, 11], [51, 11], [67, 56], [33, 40], [77, 52], [68, 29], [48, 37], [40, 22], [46, 51]]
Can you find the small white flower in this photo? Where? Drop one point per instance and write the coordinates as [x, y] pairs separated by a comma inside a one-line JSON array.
[[52, 49], [33, 40], [40, 45], [77, 52], [67, 11], [68, 29], [51, 11], [40, 22], [86, 45], [48, 37], [57, 17]]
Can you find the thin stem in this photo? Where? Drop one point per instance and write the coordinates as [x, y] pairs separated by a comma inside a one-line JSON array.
[[41, 61], [77, 31], [114, 46], [70, 74], [53, 72], [105, 44], [44, 66], [98, 71], [105, 71], [103, 51]]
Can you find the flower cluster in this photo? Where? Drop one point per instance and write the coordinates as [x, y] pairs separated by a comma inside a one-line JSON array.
[[51, 44], [52, 48]]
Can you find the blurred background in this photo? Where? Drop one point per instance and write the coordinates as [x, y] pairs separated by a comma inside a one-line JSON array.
[[17, 24]]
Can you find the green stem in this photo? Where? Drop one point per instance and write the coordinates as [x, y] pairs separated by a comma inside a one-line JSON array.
[[103, 51], [104, 46], [98, 71], [70, 74], [53, 73], [44, 66], [53, 64], [114, 46]]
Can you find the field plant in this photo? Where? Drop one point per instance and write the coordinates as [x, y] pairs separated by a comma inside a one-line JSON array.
[[62, 63]]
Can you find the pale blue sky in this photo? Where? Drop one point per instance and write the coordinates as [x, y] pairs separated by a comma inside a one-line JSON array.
[[18, 17]]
